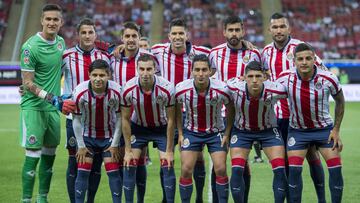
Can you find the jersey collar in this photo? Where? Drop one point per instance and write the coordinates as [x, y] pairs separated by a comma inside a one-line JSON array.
[[248, 95], [312, 77], [287, 42], [82, 51], [92, 92], [187, 50], [152, 89]]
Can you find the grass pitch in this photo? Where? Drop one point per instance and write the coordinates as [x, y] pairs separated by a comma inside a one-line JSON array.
[[12, 156]]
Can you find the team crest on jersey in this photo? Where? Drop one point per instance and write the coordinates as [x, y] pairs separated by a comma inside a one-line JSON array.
[[26, 52], [32, 139], [318, 85], [60, 46], [133, 139], [72, 142], [26, 60], [234, 139], [267, 101], [191, 56], [185, 143], [246, 59], [291, 141], [290, 56]]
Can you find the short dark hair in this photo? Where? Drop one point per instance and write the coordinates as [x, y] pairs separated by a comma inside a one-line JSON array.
[[85, 21], [177, 22], [277, 16], [232, 20], [100, 64], [255, 66], [131, 26], [146, 57], [51, 7], [303, 47], [202, 58], [145, 39]]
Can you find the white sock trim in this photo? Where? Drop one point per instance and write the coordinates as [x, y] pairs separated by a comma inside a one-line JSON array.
[[33, 153]]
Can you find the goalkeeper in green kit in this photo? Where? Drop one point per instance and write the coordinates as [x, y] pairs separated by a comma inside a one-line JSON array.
[[41, 60]]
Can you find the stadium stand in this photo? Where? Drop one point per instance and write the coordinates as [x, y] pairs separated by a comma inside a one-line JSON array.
[[4, 13], [331, 26], [108, 16], [206, 28]]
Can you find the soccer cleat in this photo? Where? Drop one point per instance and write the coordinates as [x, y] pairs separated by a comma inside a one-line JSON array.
[[26, 200], [258, 160], [42, 198]]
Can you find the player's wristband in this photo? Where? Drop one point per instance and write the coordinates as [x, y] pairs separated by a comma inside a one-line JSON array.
[[42, 94]]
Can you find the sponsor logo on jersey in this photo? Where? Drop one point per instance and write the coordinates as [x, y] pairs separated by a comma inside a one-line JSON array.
[[133, 139], [234, 139], [32, 139], [185, 143], [318, 85], [26, 52], [72, 142], [291, 141]]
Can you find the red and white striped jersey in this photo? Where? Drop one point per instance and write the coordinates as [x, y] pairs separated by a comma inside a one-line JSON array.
[[98, 112], [277, 61], [176, 68], [231, 63], [76, 64], [255, 114], [309, 100], [203, 112], [149, 109], [124, 68]]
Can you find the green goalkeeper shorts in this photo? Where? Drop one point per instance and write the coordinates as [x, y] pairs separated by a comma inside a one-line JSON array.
[[39, 128]]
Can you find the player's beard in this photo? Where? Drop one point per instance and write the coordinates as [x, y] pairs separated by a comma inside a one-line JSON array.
[[234, 41]]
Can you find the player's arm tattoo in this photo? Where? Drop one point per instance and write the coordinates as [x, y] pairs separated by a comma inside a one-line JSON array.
[[339, 109], [170, 112], [126, 126], [28, 82]]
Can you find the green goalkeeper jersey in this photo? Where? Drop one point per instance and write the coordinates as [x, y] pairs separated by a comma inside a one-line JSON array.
[[44, 58]]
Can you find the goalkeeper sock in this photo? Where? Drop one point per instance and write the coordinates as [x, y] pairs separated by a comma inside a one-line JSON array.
[[45, 173], [28, 176]]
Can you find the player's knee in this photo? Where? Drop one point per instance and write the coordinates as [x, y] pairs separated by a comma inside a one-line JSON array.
[[277, 163], [334, 162], [36, 153], [50, 151], [296, 161], [111, 167], [220, 170], [186, 171]]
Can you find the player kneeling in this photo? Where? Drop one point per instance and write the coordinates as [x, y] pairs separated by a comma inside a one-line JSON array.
[[203, 98], [97, 127], [152, 98], [255, 120]]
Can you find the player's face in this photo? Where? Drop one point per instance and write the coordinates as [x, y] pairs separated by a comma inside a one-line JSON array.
[[87, 36], [279, 30], [234, 33], [254, 80], [99, 79], [146, 70], [304, 62], [144, 44], [201, 72], [178, 37], [131, 38], [51, 22]]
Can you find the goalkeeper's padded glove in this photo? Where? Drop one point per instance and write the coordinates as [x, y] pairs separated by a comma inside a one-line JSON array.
[[58, 102]]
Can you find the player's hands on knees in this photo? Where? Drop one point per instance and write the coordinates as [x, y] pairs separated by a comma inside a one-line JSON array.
[[115, 153], [81, 155], [128, 157], [117, 50], [169, 155], [334, 135]]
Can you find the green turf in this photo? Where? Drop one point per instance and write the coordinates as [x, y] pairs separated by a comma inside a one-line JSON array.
[[12, 156]]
